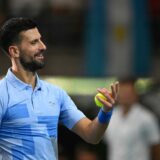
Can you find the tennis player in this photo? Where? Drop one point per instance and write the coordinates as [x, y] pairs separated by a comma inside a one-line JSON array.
[[30, 109]]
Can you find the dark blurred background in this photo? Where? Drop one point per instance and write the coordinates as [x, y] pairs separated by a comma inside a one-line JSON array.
[[92, 38], [95, 39]]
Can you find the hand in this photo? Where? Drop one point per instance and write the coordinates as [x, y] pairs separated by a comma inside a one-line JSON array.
[[111, 97]]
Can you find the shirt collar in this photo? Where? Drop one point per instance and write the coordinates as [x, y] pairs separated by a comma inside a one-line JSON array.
[[17, 83]]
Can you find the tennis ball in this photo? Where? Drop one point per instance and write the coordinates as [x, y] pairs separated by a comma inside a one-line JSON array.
[[98, 103]]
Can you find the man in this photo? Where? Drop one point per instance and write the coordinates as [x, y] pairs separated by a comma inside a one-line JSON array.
[[133, 133], [30, 109]]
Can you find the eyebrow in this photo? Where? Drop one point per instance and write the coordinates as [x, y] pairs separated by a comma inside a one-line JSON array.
[[34, 40]]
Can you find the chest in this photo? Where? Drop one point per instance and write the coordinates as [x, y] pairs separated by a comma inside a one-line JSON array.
[[126, 130], [28, 106]]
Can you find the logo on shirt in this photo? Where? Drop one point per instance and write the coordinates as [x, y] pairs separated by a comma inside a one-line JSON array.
[[51, 103]]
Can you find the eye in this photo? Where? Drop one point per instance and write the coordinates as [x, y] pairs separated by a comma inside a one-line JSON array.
[[34, 42]]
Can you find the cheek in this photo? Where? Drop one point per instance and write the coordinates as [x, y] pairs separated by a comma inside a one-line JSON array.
[[124, 95], [28, 48], [27, 52], [26, 57]]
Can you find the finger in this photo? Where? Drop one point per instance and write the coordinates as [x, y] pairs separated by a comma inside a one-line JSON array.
[[107, 94], [113, 90], [117, 87], [103, 90]]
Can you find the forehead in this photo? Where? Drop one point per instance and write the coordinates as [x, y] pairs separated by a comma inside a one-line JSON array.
[[127, 87], [30, 34]]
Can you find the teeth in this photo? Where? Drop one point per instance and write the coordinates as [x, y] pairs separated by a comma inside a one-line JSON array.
[[40, 56]]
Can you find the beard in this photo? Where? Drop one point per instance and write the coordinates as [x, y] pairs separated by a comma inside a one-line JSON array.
[[32, 65]]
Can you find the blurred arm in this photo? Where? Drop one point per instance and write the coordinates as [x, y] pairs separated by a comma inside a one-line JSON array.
[[155, 152]]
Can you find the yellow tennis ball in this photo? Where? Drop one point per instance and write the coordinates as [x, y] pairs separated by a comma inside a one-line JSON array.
[[98, 103]]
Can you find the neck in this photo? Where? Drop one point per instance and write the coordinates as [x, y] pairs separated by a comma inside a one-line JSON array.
[[126, 109], [25, 76]]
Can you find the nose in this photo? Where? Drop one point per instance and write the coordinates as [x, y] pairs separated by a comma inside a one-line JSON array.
[[42, 45]]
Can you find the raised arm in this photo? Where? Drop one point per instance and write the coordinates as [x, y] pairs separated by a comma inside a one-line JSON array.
[[92, 130]]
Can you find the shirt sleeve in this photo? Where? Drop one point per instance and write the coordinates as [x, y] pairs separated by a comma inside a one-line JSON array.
[[69, 114], [151, 130]]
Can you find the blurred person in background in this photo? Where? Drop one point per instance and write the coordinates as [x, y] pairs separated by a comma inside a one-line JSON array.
[[26, 8], [30, 109], [151, 98], [133, 133]]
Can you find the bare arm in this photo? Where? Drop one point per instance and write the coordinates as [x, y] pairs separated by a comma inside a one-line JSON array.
[[155, 152], [93, 130]]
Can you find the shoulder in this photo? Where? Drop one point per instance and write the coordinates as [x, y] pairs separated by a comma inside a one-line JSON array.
[[117, 110], [52, 88], [145, 114], [48, 85]]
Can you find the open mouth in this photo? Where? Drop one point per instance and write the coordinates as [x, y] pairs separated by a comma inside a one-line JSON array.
[[39, 56]]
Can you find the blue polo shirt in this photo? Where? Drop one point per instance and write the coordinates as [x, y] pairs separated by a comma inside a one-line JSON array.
[[29, 118]]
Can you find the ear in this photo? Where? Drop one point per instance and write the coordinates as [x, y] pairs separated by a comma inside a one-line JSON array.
[[13, 51]]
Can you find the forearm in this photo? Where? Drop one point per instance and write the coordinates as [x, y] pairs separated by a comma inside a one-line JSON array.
[[96, 131], [155, 152], [93, 131]]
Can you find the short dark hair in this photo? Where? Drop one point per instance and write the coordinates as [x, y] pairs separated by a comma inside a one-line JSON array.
[[128, 80], [9, 32]]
